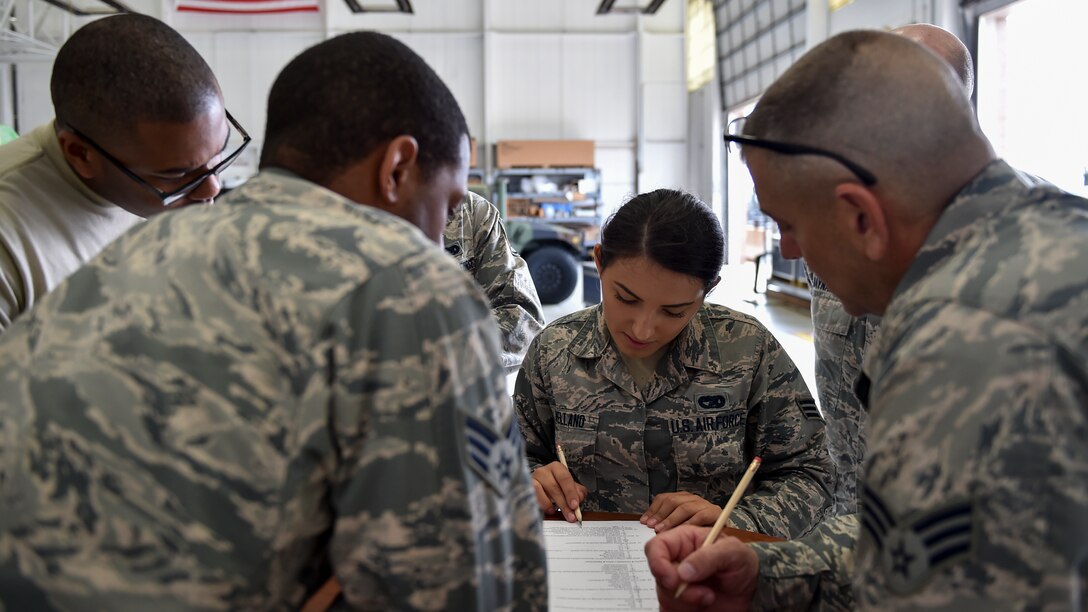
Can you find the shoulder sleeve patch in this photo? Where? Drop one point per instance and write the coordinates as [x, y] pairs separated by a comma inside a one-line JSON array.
[[809, 409], [494, 455], [912, 549]]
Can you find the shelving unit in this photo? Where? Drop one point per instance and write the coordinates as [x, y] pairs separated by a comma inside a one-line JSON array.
[[562, 196]]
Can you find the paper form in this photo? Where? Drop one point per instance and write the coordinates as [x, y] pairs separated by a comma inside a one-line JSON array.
[[598, 566]]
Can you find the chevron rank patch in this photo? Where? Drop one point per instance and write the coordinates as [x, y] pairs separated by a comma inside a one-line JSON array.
[[494, 455], [912, 550], [809, 409]]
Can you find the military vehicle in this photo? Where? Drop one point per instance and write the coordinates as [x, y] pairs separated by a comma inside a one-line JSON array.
[[553, 253]]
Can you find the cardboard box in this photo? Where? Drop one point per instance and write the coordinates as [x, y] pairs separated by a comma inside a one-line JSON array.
[[545, 153], [755, 243], [522, 207]]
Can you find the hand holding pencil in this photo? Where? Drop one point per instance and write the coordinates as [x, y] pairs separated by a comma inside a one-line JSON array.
[[555, 487], [563, 460], [724, 576], [726, 511]]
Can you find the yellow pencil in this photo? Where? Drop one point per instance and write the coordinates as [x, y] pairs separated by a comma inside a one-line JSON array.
[[726, 511], [563, 460]]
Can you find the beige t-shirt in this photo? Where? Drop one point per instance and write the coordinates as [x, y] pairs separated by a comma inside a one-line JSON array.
[[642, 368], [50, 222]]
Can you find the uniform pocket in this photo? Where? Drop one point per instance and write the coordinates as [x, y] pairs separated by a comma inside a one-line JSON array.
[[577, 432], [709, 449]]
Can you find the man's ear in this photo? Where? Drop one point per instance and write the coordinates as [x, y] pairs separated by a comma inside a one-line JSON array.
[[395, 169], [867, 219], [78, 154]]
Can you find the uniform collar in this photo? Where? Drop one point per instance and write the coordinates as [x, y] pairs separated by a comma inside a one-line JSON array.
[[695, 348], [993, 191], [280, 180]]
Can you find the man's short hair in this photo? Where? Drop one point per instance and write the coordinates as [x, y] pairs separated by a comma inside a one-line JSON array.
[[338, 101], [884, 102], [121, 70]]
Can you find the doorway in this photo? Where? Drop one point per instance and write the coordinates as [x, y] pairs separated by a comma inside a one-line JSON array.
[[1032, 95]]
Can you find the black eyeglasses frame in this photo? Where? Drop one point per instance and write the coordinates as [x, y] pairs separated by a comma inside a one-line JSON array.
[[788, 148], [170, 197]]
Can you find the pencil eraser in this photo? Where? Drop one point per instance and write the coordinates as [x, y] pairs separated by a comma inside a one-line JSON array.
[[757, 460]]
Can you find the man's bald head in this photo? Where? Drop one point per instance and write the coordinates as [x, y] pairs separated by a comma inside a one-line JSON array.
[[884, 102], [947, 46]]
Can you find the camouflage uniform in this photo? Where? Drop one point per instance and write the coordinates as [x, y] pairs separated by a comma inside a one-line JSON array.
[[723, 393], [228, 405], [475, 236], [841, 341], [976, 481]]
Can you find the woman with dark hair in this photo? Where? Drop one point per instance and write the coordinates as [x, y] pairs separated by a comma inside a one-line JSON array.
[[660, 400]]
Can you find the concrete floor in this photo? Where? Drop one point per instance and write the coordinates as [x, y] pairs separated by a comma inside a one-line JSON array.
[[786, 318]]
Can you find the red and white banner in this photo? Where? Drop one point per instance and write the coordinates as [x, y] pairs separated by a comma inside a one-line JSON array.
[[248, 7]]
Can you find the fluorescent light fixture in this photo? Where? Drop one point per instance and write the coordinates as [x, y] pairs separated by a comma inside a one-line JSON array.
[[399, 6], [609, 6], [84, 9]]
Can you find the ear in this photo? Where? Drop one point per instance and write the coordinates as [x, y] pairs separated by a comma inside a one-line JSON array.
[[78, 154], [396, 168], [597, 258], [867, 219], [711, 286]]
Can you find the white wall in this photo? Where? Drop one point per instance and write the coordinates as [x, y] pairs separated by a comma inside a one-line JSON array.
[[664, 113], [7, 105], [33, 105], [246, 64]]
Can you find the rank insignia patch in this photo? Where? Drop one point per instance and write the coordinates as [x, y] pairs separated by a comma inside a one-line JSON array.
[[494, 455], [912, 550], [809, 409]]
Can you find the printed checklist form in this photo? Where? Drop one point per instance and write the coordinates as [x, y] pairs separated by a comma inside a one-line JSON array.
[[598, 566]]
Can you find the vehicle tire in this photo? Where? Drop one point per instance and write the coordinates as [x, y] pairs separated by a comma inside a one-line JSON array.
[[554, 272]]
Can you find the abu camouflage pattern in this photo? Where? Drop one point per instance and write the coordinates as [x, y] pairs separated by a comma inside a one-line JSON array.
[[840, 341], [811, 573], [476, 237], [233, 403], [976, 480], [723, 393]]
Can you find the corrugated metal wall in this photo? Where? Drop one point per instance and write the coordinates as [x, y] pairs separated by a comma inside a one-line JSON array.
[[757, 42]]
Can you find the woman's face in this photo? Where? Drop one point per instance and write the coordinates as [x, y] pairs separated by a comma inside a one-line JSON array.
[[645, 305]]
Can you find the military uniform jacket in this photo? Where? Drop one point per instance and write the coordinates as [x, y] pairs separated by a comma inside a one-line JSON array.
[[476, 237], [841, 341], [726, 391], [230, 404], [976, 484]]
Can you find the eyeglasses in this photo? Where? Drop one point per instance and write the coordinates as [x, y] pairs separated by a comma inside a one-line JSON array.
[[170, 197], [734, 138]]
